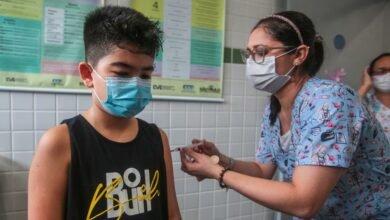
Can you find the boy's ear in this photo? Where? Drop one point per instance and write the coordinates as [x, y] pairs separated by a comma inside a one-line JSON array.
[[86, 74]]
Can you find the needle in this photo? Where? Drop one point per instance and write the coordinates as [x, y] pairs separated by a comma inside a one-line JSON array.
[[175, 149], [179, 148]]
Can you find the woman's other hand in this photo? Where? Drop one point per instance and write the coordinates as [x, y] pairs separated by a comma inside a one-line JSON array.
[[205, 147]]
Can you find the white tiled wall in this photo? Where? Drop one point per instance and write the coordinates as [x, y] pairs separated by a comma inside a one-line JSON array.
[[232, 125]]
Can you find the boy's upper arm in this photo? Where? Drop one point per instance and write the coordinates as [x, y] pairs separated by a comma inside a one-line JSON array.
[[48, 175], [173, 207]]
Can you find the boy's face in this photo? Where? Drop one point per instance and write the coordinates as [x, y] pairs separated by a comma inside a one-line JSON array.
[[121, 62]]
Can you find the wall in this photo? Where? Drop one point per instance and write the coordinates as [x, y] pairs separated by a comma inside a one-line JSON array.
[[386, 28], [364, 25], [233, 125]]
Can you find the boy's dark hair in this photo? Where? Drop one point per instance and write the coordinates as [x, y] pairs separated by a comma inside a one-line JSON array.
[[372, 63], [110, 26], [282, 31]]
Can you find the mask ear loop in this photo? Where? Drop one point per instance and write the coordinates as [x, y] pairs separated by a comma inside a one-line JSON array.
[[291, 69], [101, 77], [285, 52], [94, 71], [94, 92], [295, 64]]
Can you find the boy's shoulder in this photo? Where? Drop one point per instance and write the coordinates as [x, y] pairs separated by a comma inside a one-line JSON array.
[[145, 126], [54, 147]]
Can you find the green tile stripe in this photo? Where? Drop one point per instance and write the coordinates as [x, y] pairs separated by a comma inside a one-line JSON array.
[[237, 56], [232, 55], [227, 55]]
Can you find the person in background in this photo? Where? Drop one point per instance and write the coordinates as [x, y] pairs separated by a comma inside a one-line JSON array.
[[334, 157], [375, 89], [105, 163]]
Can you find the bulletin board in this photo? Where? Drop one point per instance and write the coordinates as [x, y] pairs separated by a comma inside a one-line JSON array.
[[41, 44], [191, 63]]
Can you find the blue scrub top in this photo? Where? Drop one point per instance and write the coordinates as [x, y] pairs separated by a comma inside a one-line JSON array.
[[330, 127]]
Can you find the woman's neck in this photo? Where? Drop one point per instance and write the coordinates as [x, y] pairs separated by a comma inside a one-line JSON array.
[[288, 93], [286, 97]]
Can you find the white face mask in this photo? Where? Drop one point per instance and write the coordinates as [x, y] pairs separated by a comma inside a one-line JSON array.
[[264, 76], [382, 82]]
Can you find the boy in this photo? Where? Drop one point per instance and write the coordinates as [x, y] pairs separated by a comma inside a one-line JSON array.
[[105, 163]]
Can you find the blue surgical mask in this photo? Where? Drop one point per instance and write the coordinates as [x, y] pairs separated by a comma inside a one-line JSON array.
[[126, 97]]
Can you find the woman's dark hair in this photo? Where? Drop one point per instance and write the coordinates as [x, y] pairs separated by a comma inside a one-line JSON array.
[[282, 31], [372, 64], [110, 26]]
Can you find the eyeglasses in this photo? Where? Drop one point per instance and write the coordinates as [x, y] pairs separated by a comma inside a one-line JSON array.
[[380, 71], [259, 52]]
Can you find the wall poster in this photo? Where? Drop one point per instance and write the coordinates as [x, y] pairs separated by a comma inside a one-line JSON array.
[[41, 45], [191, 64]]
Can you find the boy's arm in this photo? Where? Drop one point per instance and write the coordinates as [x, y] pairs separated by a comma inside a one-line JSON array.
[[173, 207], [48, 176]]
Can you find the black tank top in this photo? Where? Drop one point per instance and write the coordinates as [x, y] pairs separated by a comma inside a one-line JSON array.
[[111, 180]]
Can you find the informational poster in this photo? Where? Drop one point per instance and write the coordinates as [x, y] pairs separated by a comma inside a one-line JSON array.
[[41, 44], [191, 63]]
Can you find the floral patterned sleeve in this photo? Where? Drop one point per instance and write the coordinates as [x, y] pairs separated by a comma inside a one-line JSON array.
[[263, 151], [329, 121]]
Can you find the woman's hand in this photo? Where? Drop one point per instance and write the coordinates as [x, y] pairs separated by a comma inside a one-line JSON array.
[[198, 164], [205, 147], [366, 83], [366, 78]]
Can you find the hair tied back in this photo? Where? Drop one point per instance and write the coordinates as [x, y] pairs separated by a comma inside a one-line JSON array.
[[318, 38]]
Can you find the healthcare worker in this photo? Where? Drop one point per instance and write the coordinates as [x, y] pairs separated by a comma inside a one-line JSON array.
[[334, 156], [375, 90]]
